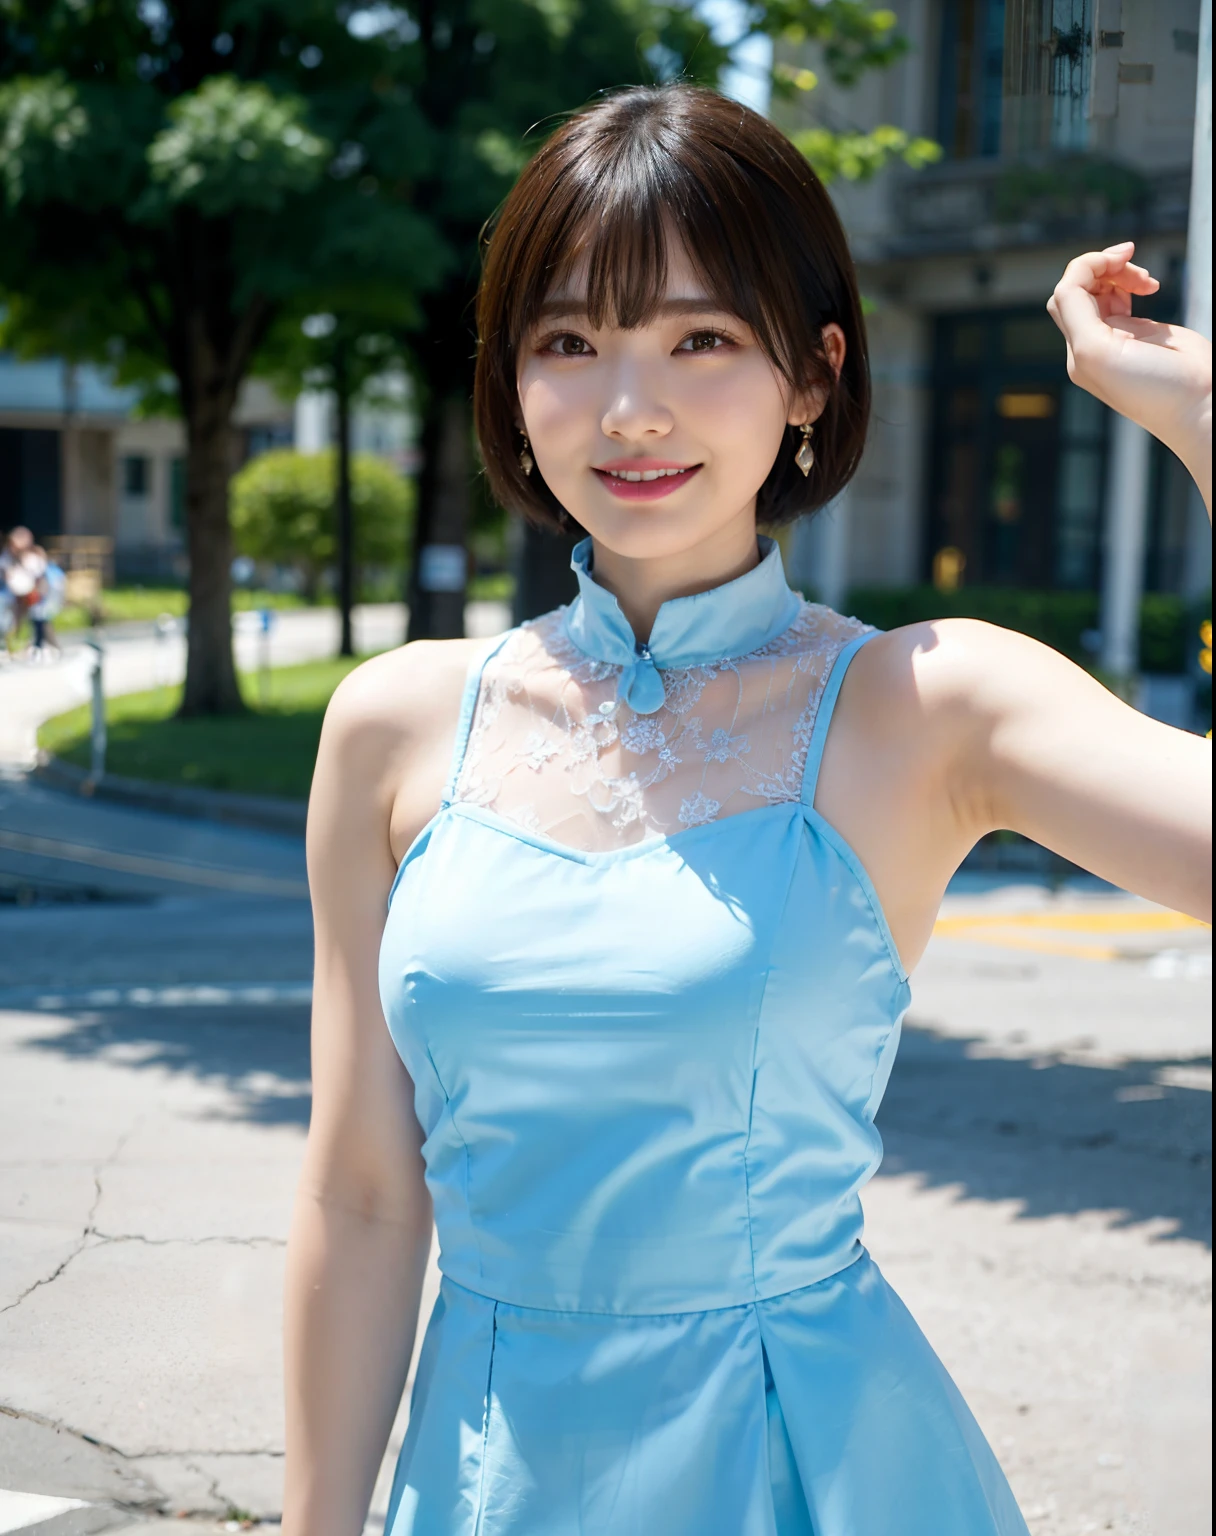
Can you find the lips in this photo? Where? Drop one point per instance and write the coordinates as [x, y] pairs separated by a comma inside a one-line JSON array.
[[644, 479]]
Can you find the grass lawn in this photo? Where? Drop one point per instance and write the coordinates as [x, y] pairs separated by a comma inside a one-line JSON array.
[[269, 751], [119, 604]]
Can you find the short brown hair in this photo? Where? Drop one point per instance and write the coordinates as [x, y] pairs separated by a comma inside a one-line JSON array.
[[756, 222]]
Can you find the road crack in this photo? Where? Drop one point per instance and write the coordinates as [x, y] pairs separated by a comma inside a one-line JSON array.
[[89, 1229]]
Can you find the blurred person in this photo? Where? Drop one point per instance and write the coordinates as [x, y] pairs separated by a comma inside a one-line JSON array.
[[47, 603], [22, 566], [614, 916]]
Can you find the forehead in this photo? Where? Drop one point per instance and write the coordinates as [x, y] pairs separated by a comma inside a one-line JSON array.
[[681, 288]]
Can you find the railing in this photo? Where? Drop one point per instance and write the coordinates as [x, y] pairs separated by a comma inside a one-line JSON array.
[[985, 205]]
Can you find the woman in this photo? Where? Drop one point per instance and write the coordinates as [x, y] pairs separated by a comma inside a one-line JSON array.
[[656, 868]]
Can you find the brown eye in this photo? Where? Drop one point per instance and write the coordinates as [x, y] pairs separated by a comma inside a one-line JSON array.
[[569, 345], [703, 341]]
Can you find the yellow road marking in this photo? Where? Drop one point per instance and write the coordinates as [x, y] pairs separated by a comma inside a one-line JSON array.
[[158, 869], [1033, 930], [1072, 922]]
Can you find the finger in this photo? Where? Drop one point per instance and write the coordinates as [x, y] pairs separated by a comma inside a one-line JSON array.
[[1076, 298], [1130, 278]]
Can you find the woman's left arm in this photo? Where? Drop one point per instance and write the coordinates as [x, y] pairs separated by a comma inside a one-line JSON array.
[[1053, 754], [1049, 752]]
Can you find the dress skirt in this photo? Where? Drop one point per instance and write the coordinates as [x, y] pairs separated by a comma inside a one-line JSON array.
[[819, 1412]]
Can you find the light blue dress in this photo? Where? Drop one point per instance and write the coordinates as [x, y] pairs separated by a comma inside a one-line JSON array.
[[647, 1073]]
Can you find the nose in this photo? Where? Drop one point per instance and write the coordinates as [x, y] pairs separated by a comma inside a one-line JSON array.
[[634, 410]]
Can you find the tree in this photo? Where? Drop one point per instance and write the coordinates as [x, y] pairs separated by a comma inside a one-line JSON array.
[[282, 506], [343, 354], [174, 175], [180, 177]]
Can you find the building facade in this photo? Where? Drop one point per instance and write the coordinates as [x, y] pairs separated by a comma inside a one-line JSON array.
[[1065, 125], [77, 461]]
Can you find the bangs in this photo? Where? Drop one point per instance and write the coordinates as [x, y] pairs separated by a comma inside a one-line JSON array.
[[608, 200], [613, 218]]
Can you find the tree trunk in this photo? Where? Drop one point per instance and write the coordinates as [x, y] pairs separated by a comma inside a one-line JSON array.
[[344, 509], [440, 568], [211, 685], [543, 578]]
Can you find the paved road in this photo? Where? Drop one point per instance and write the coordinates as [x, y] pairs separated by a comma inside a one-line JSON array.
[[136, 657], [1042, 1208]]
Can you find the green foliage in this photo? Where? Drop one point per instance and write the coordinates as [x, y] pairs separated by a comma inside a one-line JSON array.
[[857, 156], [1058, 619], [232, 145], [282, 510], [854, 37], [1069, 184]]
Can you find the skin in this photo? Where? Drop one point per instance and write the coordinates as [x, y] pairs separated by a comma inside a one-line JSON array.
[[943, 732]]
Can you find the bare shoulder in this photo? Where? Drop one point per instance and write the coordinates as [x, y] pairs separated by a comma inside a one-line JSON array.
[[952, 670], [400, 694], [387, 737]]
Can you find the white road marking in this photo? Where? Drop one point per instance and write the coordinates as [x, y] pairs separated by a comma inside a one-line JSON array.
[[18, 1511], [248, 994]]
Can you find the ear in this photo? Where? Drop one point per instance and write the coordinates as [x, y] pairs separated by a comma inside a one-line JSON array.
[[808, 406]]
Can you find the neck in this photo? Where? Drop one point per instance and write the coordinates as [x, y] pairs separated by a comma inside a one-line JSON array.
[[642, 586]]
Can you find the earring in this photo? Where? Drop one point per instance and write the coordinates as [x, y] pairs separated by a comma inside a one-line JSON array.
[[805, 456], [526, 462]]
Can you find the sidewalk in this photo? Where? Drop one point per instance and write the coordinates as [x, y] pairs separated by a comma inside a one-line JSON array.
[[136, 659]]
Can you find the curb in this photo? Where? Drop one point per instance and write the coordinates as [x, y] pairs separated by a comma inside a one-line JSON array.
[[265, 813]]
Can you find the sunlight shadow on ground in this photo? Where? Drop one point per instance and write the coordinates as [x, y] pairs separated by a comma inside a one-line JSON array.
[[1053, 1134]]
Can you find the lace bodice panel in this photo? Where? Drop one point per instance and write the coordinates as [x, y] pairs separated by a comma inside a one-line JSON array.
[[552, 749]]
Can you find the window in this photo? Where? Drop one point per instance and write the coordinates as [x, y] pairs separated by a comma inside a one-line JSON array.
[[1018, 456], [136, 478], [1047, 74], [1014, 76], [970, 74]]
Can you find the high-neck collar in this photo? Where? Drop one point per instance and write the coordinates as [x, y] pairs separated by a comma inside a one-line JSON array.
[[732, 620]]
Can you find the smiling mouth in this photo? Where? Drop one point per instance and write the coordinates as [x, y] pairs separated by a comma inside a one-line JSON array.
[[645, 484]]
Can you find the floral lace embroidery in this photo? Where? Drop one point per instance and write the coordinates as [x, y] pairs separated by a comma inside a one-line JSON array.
[[553, 750]]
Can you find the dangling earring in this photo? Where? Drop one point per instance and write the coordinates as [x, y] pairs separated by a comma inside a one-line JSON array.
[[526, 462], [805, 456]]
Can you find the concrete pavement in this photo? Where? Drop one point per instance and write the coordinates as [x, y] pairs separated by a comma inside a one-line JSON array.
[[1042, 1207]]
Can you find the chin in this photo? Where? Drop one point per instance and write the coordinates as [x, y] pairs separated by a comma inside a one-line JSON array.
[[646, 532], [656, 530]]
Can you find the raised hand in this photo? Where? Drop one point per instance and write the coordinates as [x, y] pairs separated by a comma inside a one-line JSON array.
[[1158, 375]]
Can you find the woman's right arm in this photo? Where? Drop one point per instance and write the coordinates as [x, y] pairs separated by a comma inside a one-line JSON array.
[[361, 1226]]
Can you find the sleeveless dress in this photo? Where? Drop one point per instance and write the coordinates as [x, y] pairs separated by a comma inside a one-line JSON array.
[[649, 1004]]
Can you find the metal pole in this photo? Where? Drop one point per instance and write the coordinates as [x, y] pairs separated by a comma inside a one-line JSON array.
[[1197, 577], [97, 731], [265, 620], [1199, 224], [1123, 569]]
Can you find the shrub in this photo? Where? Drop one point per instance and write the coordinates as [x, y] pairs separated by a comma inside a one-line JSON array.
[[1058, 619], [283, 510]]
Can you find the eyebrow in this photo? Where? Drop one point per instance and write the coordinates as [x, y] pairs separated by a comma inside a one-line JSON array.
[[703, 305]]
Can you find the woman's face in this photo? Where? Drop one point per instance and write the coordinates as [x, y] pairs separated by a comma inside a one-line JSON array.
[[689, 402]]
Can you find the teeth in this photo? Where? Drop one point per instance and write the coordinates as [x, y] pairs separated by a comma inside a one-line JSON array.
[[643, 474]]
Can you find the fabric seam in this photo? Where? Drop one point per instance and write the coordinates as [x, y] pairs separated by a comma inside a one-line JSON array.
[[857, 1253], [468, 1193], [751, 1106], [485, 1424]]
